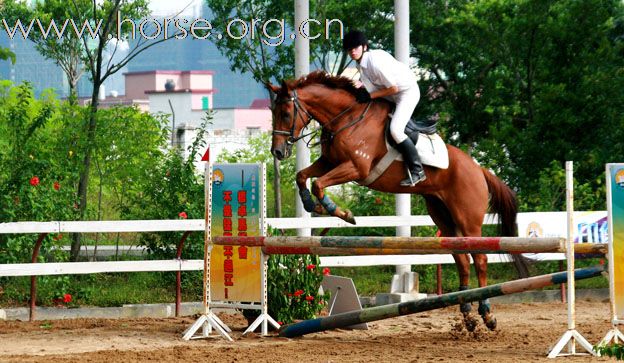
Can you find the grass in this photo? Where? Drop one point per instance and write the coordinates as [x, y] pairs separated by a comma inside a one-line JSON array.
[[112, 289]]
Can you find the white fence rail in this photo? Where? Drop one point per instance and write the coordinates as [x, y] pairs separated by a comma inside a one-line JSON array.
[[77, 268], [27, 269]]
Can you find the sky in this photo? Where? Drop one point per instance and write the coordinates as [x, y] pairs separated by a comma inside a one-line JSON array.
[[171, 8]]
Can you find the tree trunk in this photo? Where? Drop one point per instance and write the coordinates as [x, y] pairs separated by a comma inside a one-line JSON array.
[[83, 183], [73, 92]]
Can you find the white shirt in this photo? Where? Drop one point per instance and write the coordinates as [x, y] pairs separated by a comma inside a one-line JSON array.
[[378, 70]]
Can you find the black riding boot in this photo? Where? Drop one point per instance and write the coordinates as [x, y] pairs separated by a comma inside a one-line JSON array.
[[415, 171]]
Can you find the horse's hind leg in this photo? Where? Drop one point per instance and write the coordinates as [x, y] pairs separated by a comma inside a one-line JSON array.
[[469, 223], [480, 262], [443, 219]]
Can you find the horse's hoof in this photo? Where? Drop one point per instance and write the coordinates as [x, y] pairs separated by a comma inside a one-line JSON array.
[[348, 217], [490, 321], [470, 322]]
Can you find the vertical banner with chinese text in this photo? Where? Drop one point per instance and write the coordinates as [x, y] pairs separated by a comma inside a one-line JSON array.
[[235, 271], [615, 205]]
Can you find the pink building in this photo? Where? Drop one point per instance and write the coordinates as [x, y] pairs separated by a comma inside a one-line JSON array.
[[186, 96], [139, 85]]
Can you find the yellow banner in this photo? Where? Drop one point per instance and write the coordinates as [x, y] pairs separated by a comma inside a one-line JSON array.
[[237, 198]]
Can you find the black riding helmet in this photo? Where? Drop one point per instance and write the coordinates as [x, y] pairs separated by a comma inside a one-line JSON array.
[[353, 39]]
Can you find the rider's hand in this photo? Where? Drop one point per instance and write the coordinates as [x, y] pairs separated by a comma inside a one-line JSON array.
[[362, 95]]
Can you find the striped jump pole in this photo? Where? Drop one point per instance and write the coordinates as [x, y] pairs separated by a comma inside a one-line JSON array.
[[432, 303], [365, 245]]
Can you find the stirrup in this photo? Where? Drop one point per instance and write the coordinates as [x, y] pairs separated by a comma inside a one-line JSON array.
[[412, 180]]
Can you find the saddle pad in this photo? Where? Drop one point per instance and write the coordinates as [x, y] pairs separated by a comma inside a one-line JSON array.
[[431, 149]]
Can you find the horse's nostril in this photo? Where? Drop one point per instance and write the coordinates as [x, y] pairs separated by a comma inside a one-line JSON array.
[[278, 154]]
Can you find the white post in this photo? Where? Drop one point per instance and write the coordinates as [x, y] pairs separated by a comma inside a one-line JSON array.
[[403, 279], [302, 68], [571, 336], [570, 252]]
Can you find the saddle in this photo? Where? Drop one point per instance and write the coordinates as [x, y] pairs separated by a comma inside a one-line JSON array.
[[413, 129]]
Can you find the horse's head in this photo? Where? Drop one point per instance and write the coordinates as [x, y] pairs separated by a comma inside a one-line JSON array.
[[329, 98], [289, 118]]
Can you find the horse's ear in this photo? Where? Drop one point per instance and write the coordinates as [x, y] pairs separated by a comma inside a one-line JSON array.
[[272, 88], [284, 86]]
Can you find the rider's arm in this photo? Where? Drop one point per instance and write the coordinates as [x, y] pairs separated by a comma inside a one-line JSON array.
[[389, 91]]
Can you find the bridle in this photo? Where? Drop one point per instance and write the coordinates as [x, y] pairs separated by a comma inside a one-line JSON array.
[[298, 107]]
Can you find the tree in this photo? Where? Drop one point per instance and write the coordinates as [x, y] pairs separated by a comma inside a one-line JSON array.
[[37, 169], [66, 50], [106, 32], [522, 83], [6, 54]]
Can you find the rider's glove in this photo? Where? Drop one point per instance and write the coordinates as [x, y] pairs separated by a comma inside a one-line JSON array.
[[362, 95]]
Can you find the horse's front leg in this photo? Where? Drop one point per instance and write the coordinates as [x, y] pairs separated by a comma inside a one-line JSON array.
[[318, 168], [341, 174]]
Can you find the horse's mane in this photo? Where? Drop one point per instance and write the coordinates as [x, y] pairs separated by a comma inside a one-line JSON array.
[[325, 79]]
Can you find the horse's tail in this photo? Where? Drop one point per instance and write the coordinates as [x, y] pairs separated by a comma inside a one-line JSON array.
[[504, 203]]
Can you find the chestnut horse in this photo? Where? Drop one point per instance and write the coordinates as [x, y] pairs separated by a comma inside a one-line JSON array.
[[353, 141]]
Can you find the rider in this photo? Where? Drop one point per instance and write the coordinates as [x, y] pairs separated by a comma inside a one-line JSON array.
[[385, 77]]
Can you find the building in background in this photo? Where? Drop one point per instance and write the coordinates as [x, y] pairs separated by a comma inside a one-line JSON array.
[[186, 97]]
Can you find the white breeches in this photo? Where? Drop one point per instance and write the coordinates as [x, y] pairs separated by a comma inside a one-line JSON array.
[[406, 102]]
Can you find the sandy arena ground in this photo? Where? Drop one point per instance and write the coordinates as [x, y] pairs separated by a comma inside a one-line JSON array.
[[525, 333]]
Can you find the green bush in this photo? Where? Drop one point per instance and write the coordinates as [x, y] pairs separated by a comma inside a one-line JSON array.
[[293, 286], [614, 350]]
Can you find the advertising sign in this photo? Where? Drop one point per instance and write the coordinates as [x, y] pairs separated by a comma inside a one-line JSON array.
[[237, 197]]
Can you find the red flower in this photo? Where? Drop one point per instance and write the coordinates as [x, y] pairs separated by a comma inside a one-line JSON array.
[[326, 271], [67, 298], [298, 293], [34, 181], [280, 323], [60, 235], [182, 215], [311, 267], [289, 294], [57, 185], [310, 298], [602, 261], [378, 200]]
